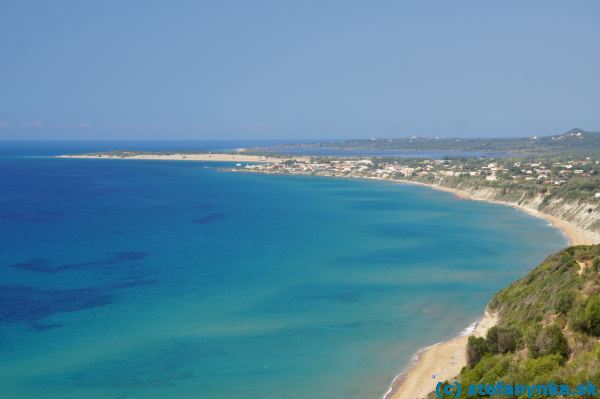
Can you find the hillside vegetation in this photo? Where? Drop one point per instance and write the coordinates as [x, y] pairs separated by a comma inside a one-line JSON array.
[[548, 329], [575, 141]]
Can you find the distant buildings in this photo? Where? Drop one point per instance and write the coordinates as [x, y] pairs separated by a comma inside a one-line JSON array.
[[547, 174]]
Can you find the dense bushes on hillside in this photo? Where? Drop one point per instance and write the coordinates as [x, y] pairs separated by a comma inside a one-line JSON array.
[[502, 339], [564, 301], [476, 349], [548, 329], [548, 341], [586, 317]]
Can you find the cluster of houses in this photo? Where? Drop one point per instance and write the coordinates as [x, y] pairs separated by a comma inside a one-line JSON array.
[[552, 173], [556, 173], [350, 167], [548, 173]]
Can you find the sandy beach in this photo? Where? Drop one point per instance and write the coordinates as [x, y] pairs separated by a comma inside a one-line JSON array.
[[444, 360], [436, 363], [574, 234], [185, 157]]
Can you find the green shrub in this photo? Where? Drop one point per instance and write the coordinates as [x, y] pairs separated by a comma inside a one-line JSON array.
[[476, 349], [564, 302], [596, 264], [503, 339], [586, 318], [540, 369], [592, 315], [567, 260], [548, 341]]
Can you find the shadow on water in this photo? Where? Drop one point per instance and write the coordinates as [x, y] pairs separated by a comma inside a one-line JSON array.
[[42, 265], [210, 218], [33, 217], [30, 305]]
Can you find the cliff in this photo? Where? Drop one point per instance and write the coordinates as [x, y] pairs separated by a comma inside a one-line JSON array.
[[583, 213]]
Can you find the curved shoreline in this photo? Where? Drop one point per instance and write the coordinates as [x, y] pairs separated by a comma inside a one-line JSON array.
[[437, 362], [444, 360], [574, 234]]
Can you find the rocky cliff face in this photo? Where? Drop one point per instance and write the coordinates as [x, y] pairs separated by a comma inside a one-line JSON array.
[[583, 214]]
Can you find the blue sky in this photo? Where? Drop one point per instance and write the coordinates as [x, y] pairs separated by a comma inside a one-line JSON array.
[[297, 69]]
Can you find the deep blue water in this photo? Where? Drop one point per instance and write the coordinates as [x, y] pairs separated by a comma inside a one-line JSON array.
[[150, 279]]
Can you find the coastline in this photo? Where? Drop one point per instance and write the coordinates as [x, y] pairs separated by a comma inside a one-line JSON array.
[[214, 157], [445, 360], [574, 234], [438, 362]]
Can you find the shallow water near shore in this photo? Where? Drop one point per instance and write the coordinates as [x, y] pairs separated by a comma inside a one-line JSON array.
[[153, 279]]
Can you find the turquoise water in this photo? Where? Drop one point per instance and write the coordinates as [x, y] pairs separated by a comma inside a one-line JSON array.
[[145, 279]]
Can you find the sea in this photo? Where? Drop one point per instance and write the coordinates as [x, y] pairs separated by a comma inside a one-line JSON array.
[[177, 279]]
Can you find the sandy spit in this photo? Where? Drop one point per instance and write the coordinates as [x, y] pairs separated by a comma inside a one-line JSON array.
[[185, 157]]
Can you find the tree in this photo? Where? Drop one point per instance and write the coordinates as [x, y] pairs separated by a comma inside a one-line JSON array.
[[548, 341], [476, 349], [586, 318], [564, 302], [502, 339], [592, 315]]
